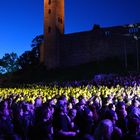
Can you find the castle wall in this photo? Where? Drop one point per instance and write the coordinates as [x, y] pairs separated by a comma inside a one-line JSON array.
[[97, 45], [90, 46]]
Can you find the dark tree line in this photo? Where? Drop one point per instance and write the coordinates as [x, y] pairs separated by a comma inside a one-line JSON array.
[[10, 62]]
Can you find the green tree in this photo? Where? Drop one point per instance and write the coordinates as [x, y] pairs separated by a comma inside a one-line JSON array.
[[31, 58], [36, 42], [9, 63], [96, 27], [26, 59]]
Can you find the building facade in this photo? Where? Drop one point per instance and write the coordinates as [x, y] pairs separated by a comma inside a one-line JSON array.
[[97, 45]]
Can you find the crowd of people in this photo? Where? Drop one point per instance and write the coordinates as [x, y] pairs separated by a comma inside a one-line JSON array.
[[105, 108]]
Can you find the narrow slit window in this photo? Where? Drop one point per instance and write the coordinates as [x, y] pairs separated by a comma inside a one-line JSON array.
[[49, 2], [49, 29], [60, 20], [49, 11]]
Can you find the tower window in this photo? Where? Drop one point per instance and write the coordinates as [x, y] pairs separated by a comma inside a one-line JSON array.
[[49, 2], [49, 29], [49, 11], [59, 20]]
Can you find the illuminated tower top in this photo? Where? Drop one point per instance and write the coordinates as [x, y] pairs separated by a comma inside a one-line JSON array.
[[53, 16]]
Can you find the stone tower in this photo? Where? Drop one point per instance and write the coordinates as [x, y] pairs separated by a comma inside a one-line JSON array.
[[53, 30]]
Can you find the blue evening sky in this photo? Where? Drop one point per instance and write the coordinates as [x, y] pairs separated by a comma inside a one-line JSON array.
[[22, 20]]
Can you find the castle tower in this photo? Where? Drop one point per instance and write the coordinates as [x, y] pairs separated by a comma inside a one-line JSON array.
[[53, 29]]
